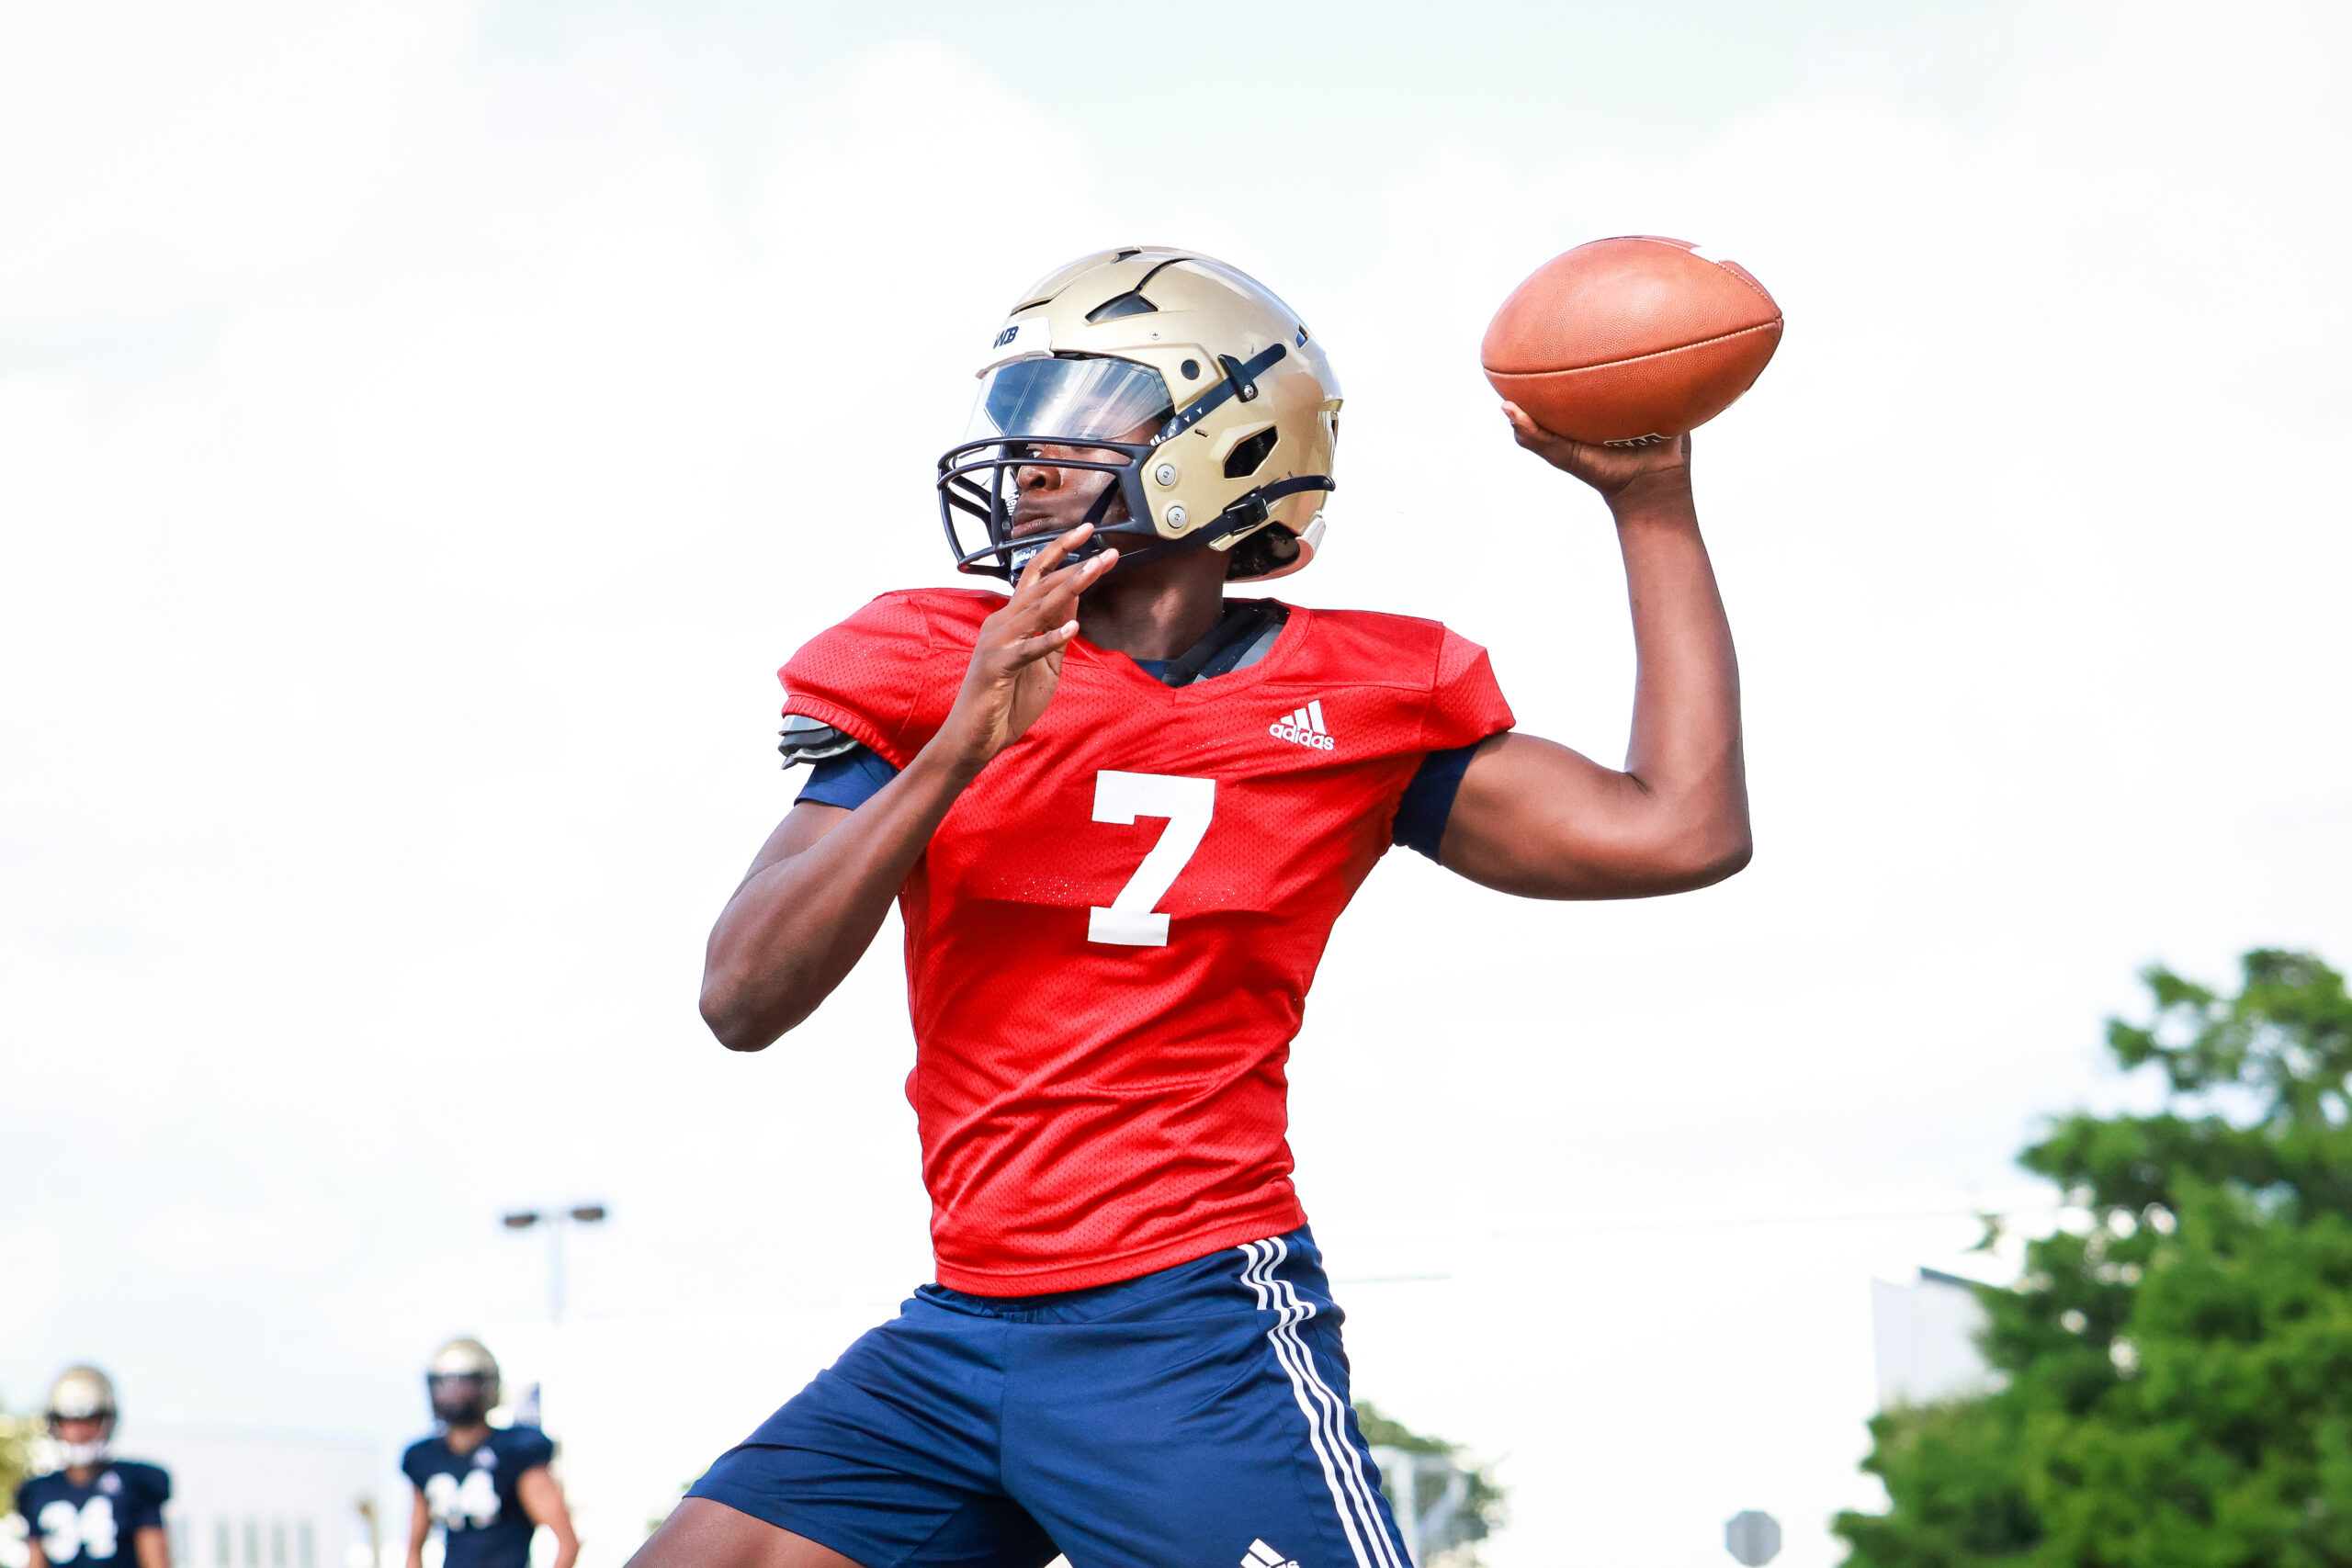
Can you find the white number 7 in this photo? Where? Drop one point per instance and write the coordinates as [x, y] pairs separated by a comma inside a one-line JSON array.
[[1188, 803]]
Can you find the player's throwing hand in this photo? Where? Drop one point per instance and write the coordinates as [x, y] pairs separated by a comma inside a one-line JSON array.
[[1609, 469], [1017, 659]]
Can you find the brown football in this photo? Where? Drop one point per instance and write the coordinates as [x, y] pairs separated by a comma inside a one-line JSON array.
[[1623, 341]]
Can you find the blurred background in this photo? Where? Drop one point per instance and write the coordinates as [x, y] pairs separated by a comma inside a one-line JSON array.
[[426, 427]]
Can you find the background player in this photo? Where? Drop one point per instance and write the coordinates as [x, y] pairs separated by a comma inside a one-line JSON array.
[[485, 1487], [1120, 813], [98, 1510]]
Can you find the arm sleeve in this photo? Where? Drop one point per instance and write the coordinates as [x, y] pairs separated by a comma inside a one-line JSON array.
[[413, 1465], [1428, 803], [848, 781], [1465, 704], [865, 676]]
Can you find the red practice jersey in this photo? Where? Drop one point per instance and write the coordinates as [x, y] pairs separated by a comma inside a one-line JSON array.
[[1111, 936]]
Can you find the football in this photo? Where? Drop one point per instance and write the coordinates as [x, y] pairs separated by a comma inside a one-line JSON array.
[[1627, 341]]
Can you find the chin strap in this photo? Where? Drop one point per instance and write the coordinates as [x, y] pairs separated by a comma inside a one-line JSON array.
[[1258, 504]]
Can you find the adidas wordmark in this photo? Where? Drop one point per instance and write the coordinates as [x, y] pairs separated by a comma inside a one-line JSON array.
[[1305, 727]]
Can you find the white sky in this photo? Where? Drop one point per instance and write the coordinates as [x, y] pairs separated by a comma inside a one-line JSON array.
[[424, 429]]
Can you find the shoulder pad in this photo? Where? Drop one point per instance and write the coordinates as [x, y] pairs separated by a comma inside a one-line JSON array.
[[807, 741], [530, 1446]]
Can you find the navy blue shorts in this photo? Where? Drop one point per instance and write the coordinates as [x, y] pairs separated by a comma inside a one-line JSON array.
[[1196, 1417]]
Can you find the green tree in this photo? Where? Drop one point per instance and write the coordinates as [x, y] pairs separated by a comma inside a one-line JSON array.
[[1482, 1511], [2178, 1367], [18, 1433]]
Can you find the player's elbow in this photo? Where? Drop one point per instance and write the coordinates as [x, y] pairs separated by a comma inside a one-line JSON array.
[[1721, 857], [1681, 861], [735, 1018], [1702, 852]]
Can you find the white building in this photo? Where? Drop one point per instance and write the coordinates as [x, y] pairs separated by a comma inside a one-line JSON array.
[[1924, 1338], [638, 1407]]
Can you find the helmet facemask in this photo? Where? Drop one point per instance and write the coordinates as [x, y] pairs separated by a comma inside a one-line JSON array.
[[460, 1399], [1099, 415]]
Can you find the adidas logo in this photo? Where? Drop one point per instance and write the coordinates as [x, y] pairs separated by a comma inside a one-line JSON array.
[[1264, 1556], [1305, 726]]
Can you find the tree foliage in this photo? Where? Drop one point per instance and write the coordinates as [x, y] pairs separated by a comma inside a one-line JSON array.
[[1483, 1508], [2176, 1365], [18, 1435]]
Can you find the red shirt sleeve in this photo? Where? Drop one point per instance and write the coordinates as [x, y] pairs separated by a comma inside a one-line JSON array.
[[1465, 703], [865, 676]]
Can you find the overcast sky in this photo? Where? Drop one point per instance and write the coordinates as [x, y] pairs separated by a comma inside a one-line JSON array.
[[425, 428]]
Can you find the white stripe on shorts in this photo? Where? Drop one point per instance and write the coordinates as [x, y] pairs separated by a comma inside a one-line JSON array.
[[1326, 1418]]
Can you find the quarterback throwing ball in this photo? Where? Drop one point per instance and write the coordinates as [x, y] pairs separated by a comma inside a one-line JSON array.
[[1119, 807]]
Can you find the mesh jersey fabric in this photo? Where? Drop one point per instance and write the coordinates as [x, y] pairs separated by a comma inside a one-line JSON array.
[[1095, 1104], [849, 781]]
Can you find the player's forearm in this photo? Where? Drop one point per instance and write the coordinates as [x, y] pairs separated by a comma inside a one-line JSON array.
[[1684, 753], [800, 922], [543, 1503], [420, 1526]]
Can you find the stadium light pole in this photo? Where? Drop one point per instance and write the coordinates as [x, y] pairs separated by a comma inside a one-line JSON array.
[[554, 1220]]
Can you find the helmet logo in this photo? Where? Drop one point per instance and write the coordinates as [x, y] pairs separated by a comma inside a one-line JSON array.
[[1029, 339]]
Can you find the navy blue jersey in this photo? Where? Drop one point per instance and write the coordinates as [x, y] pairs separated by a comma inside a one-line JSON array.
[[471, 1495], [91, 1525]]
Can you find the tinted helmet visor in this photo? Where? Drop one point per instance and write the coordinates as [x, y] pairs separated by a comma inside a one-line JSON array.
[[1097, 415], [459, 1398], [1050, 399]]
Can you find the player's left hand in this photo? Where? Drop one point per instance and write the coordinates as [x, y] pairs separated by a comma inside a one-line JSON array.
[[1017, 658], [1612, 470]]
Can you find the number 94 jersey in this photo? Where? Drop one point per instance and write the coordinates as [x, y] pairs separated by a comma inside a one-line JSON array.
[[1111, 936], [94, 1526], [471, 1495]]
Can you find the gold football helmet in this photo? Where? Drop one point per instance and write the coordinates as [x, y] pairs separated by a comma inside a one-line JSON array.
[[462, 1381], [1200, 392], [82, 1393]]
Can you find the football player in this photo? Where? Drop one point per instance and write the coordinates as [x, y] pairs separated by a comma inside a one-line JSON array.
[[486, 1488], [98, 1510], [1119, 810]]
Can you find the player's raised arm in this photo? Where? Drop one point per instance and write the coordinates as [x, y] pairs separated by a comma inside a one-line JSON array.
[[820, 886], [1536, 819]]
